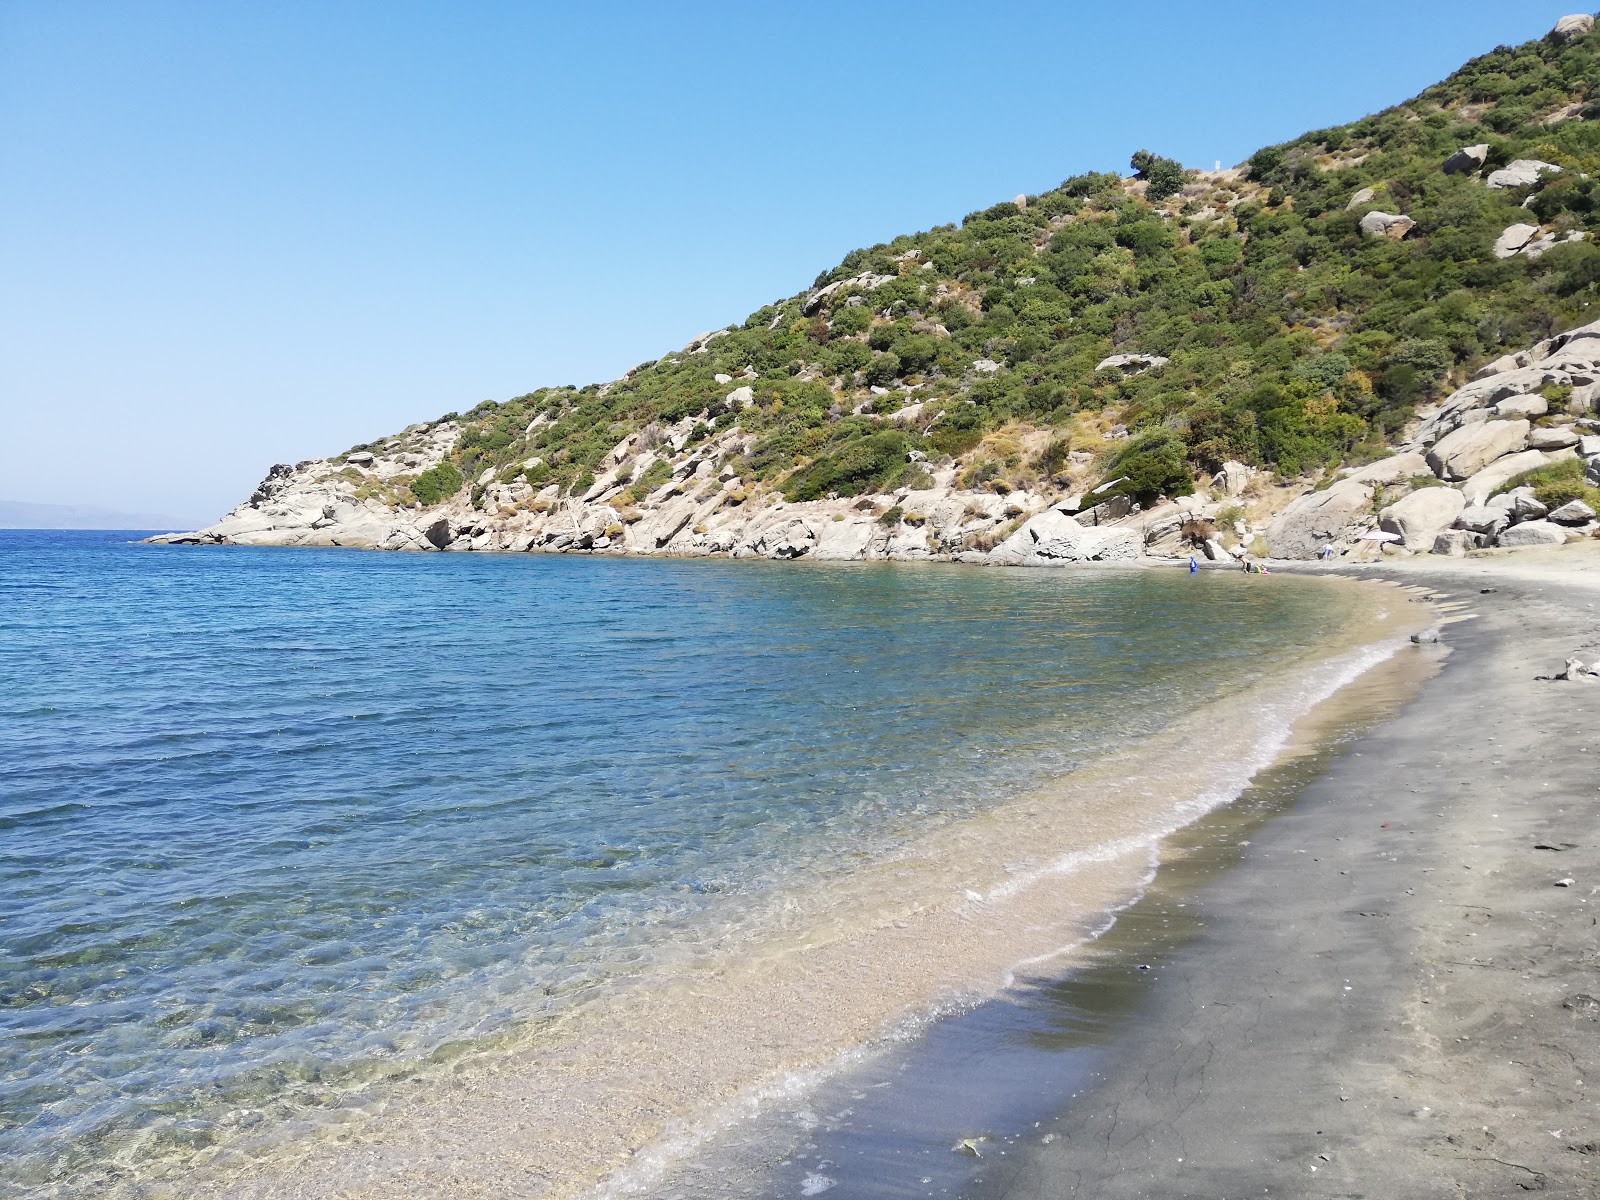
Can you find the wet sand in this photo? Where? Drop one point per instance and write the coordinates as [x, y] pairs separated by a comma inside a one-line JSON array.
[[1391, 996]]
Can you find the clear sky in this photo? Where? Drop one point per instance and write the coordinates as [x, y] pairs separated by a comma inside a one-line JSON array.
[[233, 234]]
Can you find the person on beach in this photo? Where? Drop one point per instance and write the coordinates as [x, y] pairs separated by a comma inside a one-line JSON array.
[[1194, 565]]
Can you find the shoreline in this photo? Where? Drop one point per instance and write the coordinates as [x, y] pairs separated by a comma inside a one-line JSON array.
[[944, 1114], [1391, 996], [490, 1133]]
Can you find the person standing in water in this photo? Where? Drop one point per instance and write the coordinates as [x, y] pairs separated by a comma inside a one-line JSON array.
[[1194, 565]]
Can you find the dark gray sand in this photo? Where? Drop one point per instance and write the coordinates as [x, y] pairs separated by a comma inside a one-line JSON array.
[[1392, 997]]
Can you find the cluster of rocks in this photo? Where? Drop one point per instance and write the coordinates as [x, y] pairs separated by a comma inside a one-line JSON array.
[[1444, 491]]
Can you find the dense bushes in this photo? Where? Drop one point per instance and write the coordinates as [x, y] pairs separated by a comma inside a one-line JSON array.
[[436, 484], [1151, 465], [871, 464]]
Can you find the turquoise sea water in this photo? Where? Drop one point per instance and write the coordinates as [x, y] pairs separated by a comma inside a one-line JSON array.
[[276, 820]]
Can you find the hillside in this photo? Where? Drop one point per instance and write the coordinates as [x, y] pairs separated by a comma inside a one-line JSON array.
[[1097, 350]]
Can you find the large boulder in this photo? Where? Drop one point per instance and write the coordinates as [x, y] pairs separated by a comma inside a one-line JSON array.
[[1052, 538], [1514, 239], [1390, 470], [1481, 486], [1467, 160], [1480, 518], [1554, 437], [1570, 29], [1131, 364], [1469, 449], [1233, 478], [1522, 406], [1573, 512], [1541, 246], [1524, 505], [1523, 172], [1423, 515], [1454, 542], [1365, 196], [1533, 533], [1318, 518], [1388, 225]]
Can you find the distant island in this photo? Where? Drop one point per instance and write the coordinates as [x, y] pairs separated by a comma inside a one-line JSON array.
[[22, 514]]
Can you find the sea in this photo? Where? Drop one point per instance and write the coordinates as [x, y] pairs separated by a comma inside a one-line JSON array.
[[532, 872]]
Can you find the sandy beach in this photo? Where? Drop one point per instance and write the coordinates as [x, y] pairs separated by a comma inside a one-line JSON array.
[[1398, 991]]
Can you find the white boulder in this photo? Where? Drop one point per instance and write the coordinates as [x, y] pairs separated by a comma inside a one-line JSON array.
[[1514, 239], [1478, 489], [1533, 533], [1390, 225], [1235, 476], [1573, 512], [1423, 515], [1523, 504], [1131, 364], [1522, 406], [1523, 172], [1554, 437], [1570, 29], [1480, 518], [1390, 470], [1468, 450], [1466, 160]]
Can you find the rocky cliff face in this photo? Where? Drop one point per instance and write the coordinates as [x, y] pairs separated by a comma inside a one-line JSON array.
[[1441, 492], [700, 508]]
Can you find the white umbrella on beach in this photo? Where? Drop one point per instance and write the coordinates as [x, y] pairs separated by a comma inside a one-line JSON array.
[[1378, 535]]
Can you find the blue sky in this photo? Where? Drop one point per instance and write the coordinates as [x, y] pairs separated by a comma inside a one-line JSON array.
[[235, 234]]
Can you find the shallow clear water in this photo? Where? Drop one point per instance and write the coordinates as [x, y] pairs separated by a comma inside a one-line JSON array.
[[275, 820]]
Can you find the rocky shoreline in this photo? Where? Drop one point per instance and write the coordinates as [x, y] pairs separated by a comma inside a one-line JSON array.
[[675, 491]]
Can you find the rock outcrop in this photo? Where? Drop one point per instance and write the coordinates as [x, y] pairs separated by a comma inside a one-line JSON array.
[[1515, 237], [1467, 450], [1422, 516], [1467, 160], [1520, 173], [1570, 29], [1388, 225]]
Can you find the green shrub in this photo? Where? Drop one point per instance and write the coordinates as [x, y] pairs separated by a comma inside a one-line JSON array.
[[869, 464], [436, 484], [1155, 464], [658, 473], [1164, 176], [882, 370], [1554, 484]]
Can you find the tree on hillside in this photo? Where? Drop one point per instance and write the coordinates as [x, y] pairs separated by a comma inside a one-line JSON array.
[[1164, 176]]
